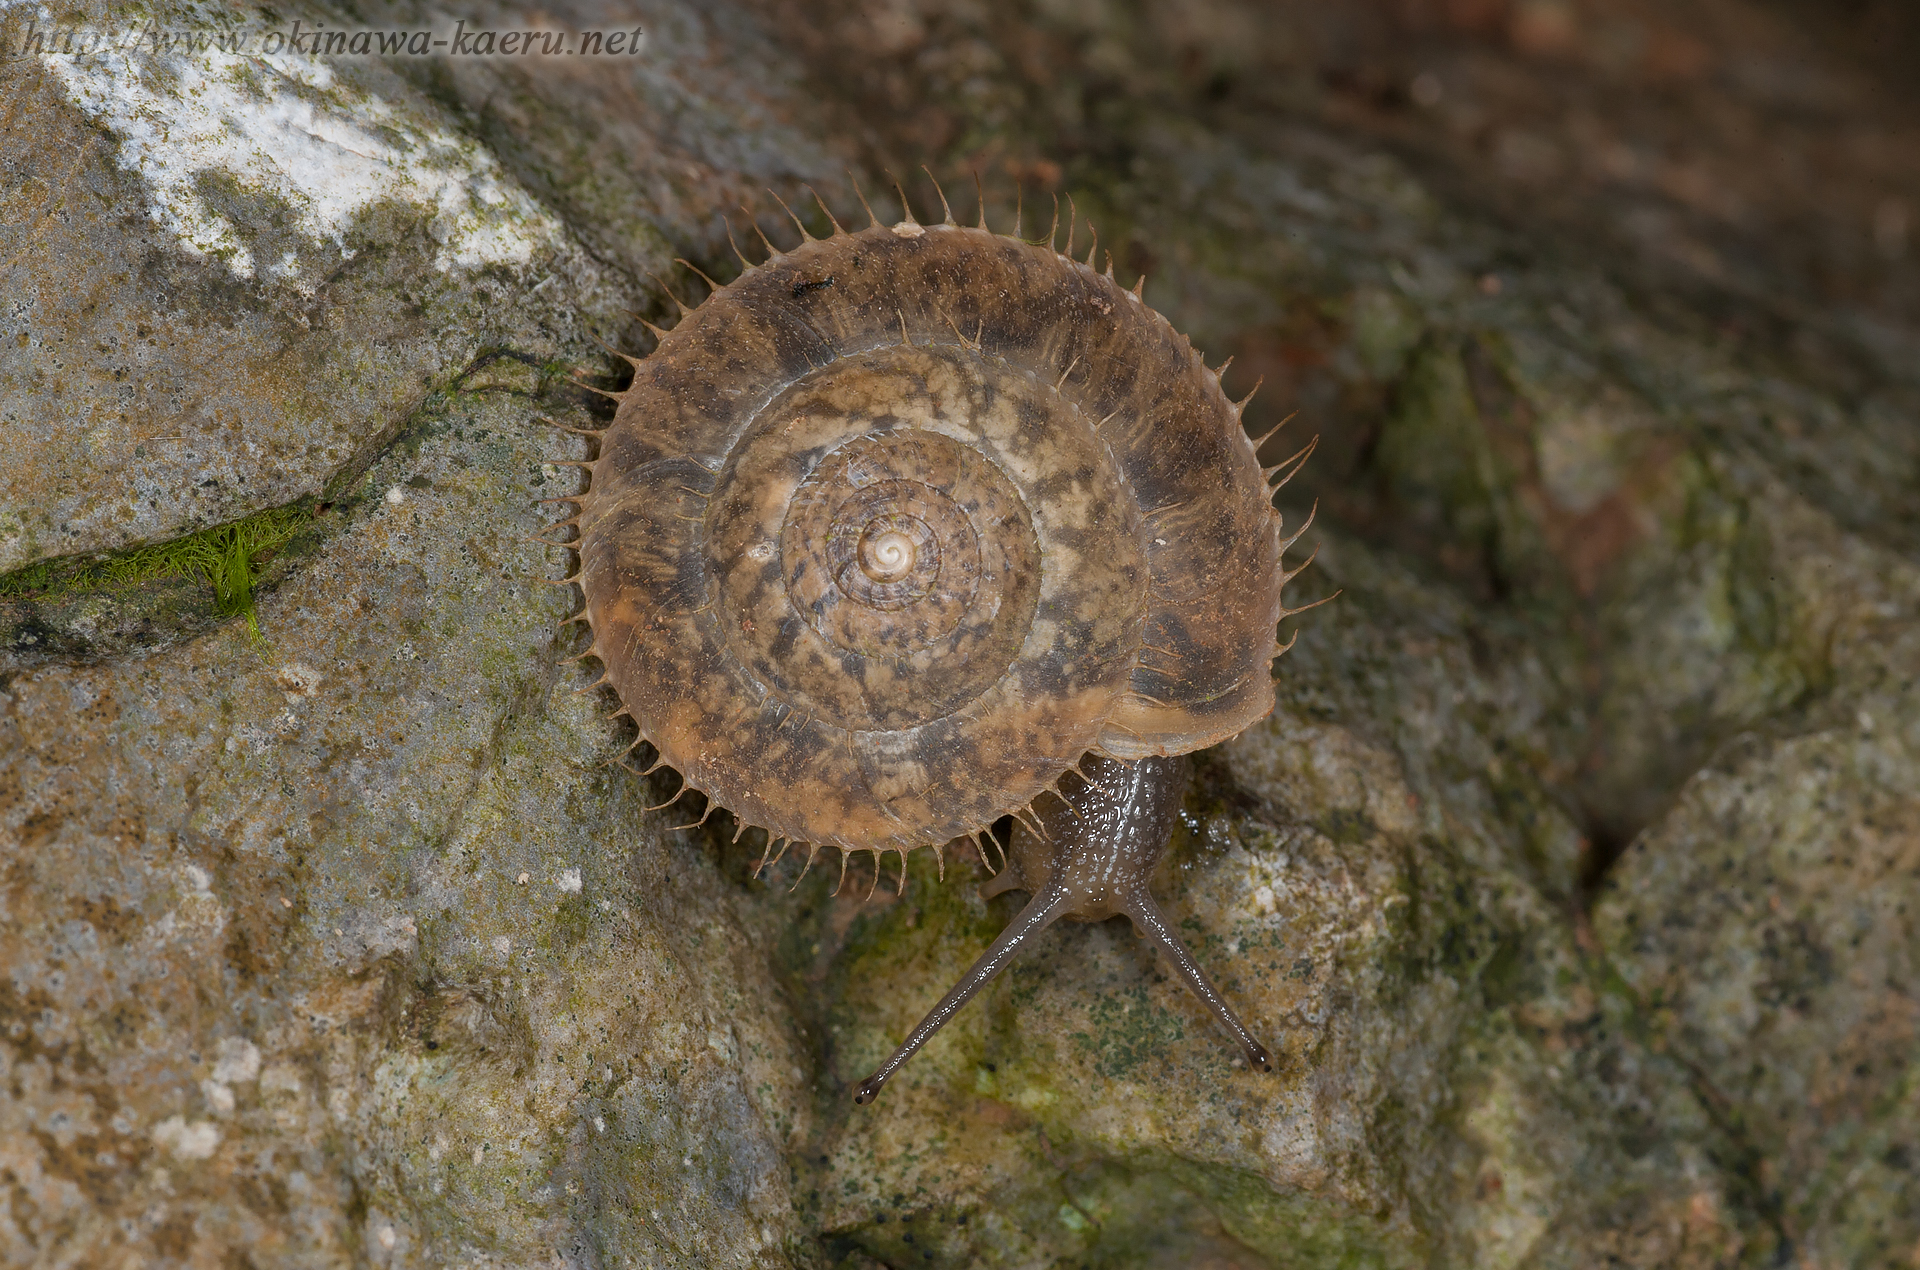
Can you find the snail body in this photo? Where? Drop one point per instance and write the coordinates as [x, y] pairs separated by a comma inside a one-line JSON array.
[[896, 531]]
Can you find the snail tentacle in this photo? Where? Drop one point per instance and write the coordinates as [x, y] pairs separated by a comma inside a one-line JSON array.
[[1041, 912], [1139, 905], [1088, 855]]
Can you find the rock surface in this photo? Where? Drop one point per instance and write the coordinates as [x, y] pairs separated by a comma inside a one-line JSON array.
[[240, 275], [1573, 882]]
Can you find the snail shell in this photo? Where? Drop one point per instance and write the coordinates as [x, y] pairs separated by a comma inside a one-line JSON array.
[[891, 530]]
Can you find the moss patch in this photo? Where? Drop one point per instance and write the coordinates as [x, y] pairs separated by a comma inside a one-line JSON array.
[[224, 557]]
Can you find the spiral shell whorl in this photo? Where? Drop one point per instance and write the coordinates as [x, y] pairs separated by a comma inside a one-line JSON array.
[[892, 529]]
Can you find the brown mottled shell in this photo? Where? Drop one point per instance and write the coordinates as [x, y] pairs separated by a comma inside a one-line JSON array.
[[891, 530]]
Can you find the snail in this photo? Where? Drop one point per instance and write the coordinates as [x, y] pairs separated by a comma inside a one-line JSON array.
[[912, 528]]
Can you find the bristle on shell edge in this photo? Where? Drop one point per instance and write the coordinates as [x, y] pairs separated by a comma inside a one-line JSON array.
[[776, 836]]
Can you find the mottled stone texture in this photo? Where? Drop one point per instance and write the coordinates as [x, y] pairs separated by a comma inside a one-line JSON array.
[[1573, 882]]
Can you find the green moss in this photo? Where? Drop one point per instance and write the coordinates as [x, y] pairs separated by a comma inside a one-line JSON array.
[[223, 558]]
